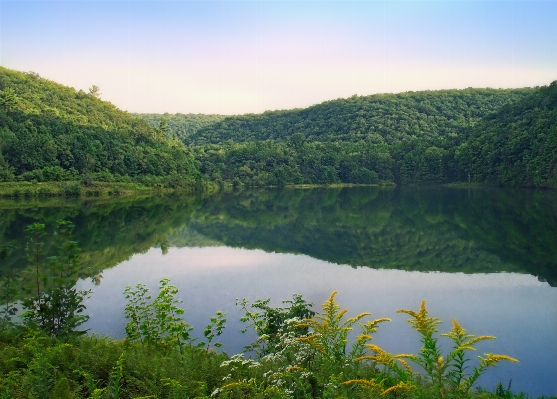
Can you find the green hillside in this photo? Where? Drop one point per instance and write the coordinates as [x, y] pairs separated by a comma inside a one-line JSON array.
[[385, 117], [50, 132], [517, 145], [181, 125], [407, 138]]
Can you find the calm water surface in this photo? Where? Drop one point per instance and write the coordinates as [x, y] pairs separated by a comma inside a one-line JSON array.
[[487, 258]]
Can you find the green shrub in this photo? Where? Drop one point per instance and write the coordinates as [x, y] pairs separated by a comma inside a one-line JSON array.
[[6, 174], [45, 192], [72, 189], [54, 173], [36, 174], [104, 176]]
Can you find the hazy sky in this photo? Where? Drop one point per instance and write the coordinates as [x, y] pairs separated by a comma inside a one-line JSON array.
[[233, 57]]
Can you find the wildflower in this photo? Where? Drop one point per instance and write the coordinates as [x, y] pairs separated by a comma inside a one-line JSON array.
[[368, 383], [492, 360], [400, 385]]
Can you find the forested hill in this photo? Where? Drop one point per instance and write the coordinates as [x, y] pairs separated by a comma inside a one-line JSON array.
[[517, 145], [51, 132], [181, 125], [39, 96], [391, 118], [496, 136]]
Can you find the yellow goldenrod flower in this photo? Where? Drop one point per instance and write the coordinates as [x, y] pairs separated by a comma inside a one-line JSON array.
[[377, 321], [494, 359], [400, 385], [405, 363], [368, 383], [482, 338], [234, 384], [410, 312], [456, 325]]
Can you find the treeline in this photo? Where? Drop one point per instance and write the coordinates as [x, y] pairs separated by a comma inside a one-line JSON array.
[[271, 163], [181, 125], [49, 132], [504, 137], [389, 118], [517, 145]]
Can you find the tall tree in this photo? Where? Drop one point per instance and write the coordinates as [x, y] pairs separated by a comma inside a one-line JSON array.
[[8, 99], [95, 91]]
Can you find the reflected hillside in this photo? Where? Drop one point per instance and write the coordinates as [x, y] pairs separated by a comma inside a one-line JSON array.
[[107, 232], [432, 229], [421, 229]]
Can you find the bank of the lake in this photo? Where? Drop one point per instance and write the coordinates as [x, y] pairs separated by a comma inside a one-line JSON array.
[[85, 188]]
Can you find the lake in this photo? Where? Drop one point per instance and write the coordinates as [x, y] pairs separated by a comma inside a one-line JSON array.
[[485, 257]]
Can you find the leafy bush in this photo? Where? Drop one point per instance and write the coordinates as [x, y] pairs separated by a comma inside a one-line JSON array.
[[72, 189], [55, 305]]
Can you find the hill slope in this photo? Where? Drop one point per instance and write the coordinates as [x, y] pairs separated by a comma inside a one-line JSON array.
[[52, 132], [182, 126], [505, 137], [389, 117], [517, 145]]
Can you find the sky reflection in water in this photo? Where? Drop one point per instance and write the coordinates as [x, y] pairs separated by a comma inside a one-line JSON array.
[[517, 308]]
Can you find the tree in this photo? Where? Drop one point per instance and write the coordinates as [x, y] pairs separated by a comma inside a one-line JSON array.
[[8, 99], [55, 305], [95, 91], [163, 128]]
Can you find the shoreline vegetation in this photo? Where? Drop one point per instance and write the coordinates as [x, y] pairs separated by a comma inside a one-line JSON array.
[[76, 189]]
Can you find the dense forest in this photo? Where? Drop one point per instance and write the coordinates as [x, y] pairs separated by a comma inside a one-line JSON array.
[[516, 145], [504, 137], [182, 126], [49, 132], [388, 118]]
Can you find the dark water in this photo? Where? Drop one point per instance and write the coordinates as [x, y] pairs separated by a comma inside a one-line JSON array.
[[487, 258]]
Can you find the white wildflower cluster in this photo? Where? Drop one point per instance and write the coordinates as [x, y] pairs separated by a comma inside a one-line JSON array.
[[283, 364], [237, 364], [238, 360]]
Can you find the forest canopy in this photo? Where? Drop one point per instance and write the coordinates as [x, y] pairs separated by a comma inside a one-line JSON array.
[[50, 132], [495, 136]]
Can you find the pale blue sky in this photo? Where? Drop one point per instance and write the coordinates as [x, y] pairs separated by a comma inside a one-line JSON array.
[[238, 57]]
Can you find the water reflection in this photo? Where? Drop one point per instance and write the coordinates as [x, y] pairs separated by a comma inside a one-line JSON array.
[[371, 245], [435, 229]]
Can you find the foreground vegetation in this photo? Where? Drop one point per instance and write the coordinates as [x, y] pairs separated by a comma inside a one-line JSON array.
[[297, 354]]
